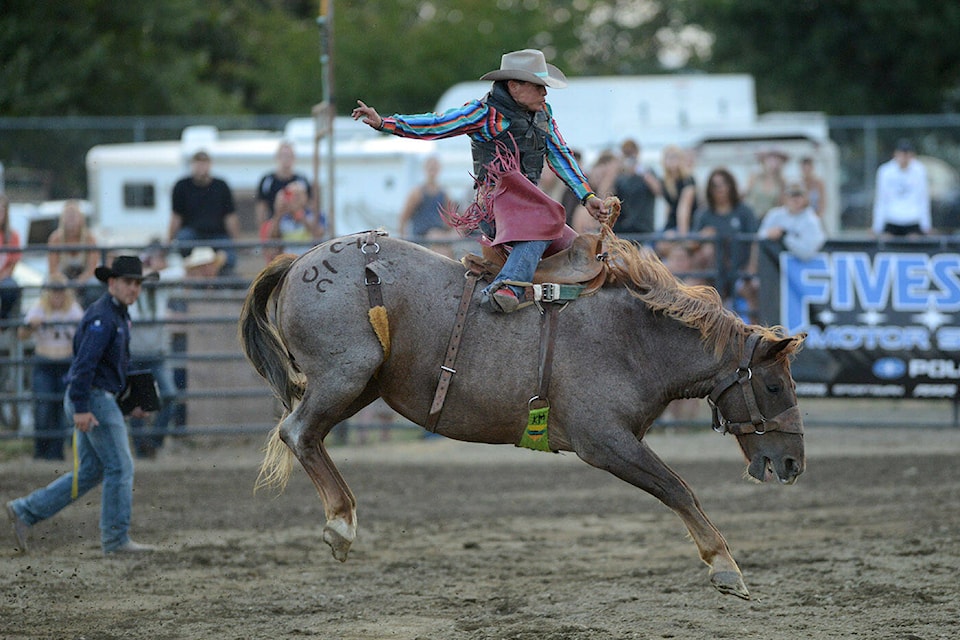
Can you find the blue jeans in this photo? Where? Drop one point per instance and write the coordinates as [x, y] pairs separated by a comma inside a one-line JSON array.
[[144, 445], [10, 293], [49, 421], [104, 456], [520, 265]]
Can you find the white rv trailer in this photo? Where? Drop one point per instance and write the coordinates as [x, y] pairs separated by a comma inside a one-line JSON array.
[[130, 184]]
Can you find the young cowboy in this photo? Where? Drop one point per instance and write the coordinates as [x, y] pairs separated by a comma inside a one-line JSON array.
[[514, 116], [98, 373]]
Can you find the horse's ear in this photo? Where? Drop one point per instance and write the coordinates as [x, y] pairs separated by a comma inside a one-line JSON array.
[[788, 345]]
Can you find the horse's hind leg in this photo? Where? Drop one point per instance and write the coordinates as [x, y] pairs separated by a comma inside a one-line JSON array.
[[633, 461], [303, 431], [340, 529]]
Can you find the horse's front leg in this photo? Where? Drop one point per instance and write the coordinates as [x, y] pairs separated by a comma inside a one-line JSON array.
[[633, 461]]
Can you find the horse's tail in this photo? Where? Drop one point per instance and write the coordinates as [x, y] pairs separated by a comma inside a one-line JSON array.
[[277, 463], [261, 340], [263, 345]]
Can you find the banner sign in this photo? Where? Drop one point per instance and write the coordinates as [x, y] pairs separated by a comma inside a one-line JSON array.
[[881, 320]]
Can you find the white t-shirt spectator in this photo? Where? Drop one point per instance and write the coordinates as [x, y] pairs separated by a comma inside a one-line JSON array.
[[902, 197], [54, 338], [803, 234]]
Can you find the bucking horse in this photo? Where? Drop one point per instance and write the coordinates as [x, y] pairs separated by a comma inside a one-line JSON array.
[[368, 316]]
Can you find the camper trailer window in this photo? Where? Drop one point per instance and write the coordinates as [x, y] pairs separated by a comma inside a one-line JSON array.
[[138, 195]]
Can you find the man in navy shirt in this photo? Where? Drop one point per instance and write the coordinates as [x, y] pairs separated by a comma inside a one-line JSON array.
[[98, 373]]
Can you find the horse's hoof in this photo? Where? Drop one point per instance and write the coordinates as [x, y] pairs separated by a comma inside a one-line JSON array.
[[730, 583], [339, 543]]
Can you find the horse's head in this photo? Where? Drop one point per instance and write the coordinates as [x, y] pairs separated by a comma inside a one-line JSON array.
[[758, 404]]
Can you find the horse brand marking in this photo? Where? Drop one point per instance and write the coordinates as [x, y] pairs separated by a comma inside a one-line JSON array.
[[312, 274], [337, 246]]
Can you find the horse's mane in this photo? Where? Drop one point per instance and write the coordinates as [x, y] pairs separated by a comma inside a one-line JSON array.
[[697, 306]]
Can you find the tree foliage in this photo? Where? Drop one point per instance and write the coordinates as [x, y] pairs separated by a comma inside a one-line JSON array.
[[112, 57], [403, 54], [838, 56]]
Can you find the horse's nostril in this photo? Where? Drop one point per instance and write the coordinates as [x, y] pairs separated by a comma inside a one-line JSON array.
[[792, 466]]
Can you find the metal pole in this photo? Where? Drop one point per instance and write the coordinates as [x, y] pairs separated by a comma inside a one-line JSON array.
[[325, 23], [871, 156]]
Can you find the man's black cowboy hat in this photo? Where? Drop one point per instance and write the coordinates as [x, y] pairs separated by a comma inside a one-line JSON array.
[[124, 267]]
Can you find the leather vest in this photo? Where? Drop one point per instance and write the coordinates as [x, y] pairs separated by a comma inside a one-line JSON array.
[[527, 129]]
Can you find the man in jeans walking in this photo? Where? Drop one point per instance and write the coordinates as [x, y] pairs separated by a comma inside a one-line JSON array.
[[98, 373]]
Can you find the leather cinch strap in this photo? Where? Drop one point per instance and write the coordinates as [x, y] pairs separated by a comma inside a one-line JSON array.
[[548, 328], [453, 346]]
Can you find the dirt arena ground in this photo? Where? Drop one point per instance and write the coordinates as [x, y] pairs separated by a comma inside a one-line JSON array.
[[462, 541]]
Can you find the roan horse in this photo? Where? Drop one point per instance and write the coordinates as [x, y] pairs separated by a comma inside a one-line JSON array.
[[621, 355]]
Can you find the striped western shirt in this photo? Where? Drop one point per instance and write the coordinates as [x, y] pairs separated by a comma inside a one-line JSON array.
[[484, 123]]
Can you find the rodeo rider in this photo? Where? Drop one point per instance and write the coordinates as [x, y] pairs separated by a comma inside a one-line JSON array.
[[514, 117]]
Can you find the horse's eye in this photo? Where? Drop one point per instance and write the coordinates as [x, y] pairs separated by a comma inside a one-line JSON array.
[[773, 388]]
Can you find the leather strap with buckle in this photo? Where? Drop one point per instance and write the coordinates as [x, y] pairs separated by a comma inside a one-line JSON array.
[[453, 347], [551, 292]]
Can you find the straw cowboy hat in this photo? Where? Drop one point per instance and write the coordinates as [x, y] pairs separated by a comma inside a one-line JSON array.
[[202, 256], [124, 267], [773, 151], [528, 65]]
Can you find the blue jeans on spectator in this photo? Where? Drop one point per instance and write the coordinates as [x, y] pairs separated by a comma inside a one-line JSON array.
[[104, 456], [10, 293], [145, 446], [49, 421], [186, 234]]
